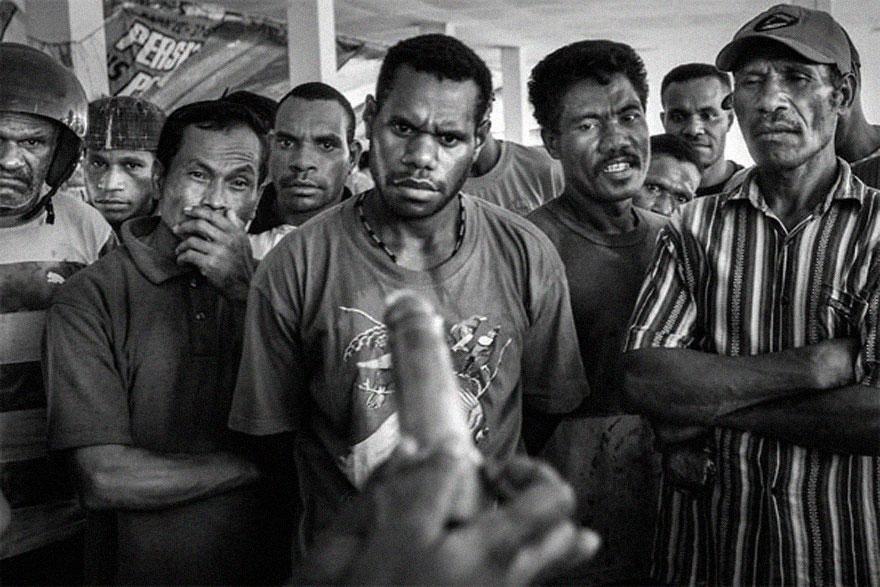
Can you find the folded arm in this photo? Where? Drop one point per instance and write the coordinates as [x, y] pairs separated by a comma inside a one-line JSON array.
[[114, 476]]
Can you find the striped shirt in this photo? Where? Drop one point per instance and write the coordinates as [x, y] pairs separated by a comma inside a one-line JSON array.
[[728, 278], [35, 259]]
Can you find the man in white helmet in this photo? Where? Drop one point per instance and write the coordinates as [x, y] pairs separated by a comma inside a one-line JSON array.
[[43, 241]]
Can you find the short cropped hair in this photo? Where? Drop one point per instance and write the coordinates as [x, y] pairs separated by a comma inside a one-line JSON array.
[[597, 60], [219, 115], [689, 71], [443, 56], [320, 91], [676, 147]]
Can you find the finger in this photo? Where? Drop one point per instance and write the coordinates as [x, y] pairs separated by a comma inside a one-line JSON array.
[[561, 548], [202, 228]]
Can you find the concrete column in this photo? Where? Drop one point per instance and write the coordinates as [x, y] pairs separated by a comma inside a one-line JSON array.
[[76, 28], [513, 91], [442, 28], [311, 41]]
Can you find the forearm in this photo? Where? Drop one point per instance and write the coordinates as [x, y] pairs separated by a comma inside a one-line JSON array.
[[688, 387], [124, 477], [846, 419]]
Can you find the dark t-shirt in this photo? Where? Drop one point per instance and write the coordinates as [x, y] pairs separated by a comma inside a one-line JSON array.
[[143, 352], [606, 454], [316, 359], [718, 187]]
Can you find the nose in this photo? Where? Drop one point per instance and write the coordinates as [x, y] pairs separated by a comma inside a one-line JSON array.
[[10, 156], [421, 151], [111, 180]]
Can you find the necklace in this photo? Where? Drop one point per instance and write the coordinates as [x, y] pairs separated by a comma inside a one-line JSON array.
[[359, 204]]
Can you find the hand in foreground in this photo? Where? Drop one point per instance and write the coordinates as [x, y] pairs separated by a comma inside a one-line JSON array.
[[404, 528], [217, 245]]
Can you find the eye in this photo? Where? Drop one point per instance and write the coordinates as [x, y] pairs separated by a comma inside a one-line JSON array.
[[448, 140]]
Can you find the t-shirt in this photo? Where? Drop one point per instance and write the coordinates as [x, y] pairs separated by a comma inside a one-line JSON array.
[[316, 359], [141, 351], [606, 453], [35, 259], [521, 180], [721, 186]]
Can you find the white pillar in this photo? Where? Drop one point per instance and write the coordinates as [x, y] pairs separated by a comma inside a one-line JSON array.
[[311, 41], [81, 24], [442, 28], [513, 92]]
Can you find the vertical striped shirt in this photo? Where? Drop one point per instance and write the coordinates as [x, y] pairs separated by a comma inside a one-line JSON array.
[[728, 278]]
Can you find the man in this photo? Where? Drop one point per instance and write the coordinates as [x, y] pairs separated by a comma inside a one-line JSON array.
[[759, 319], [516, 177], [119, 158], [673, 176], [316, 360], [589, 98], [313, 149], [140, 358], [43, 241], [696, 109]]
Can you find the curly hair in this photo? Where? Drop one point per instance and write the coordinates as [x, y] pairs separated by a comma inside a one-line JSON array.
[[597, 60], [445, 57]]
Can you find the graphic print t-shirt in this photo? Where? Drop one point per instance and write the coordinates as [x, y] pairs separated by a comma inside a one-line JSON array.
[[316, 355]]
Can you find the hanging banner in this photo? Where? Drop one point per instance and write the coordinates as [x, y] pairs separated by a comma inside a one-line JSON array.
[[144, 45]]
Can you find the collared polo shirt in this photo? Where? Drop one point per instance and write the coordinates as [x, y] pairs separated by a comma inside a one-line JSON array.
[[729, 278], [143, 352]]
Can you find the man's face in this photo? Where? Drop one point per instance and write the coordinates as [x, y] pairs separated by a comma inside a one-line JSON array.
[[27, 144], [692, 111], [120, 183], [787, 110], [602, 140], [218, 169], [310, 156], [670, 183], [423, 141]]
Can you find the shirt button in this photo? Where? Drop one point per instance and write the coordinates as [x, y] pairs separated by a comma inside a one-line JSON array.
[[200, 316]]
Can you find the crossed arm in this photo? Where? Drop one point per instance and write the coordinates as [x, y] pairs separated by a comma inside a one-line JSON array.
[[807, 395], [115, 476]]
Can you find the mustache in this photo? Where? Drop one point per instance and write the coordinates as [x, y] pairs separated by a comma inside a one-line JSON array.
[[418, 183]]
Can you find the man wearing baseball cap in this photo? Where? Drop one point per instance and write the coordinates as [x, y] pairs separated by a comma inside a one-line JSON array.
[[758, 323], [120, 154]]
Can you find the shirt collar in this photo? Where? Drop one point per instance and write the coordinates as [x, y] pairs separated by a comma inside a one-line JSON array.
[[151, 245], [845, 187]]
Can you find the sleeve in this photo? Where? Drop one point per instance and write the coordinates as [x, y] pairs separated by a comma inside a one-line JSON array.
[[272, 369], [665, 311], [552, 373], [86, 398]]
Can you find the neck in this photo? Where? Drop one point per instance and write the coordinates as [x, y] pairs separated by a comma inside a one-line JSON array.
[[716, 173], [599, 216], [417, 243], [296, 218], [858, 139], [793, 194], [488, 157]]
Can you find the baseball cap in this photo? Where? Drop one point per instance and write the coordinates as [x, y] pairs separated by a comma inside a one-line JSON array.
[[124, 122], [813, 34]]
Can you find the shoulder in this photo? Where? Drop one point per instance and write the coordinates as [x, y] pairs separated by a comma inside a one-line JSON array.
[[84, 225]]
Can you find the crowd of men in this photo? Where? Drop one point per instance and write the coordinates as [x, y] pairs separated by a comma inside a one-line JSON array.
[[197, 383]]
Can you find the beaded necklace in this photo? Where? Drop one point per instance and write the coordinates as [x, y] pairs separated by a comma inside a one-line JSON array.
[[359, 204]]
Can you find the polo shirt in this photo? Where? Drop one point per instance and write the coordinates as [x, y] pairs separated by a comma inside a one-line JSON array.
[[143, 352], [730, 279], [316, 358]]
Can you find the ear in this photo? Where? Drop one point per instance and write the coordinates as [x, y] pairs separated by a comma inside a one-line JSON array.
[[157, 176], [371, 109], [355, 148], [847, 91], [551, 141]]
